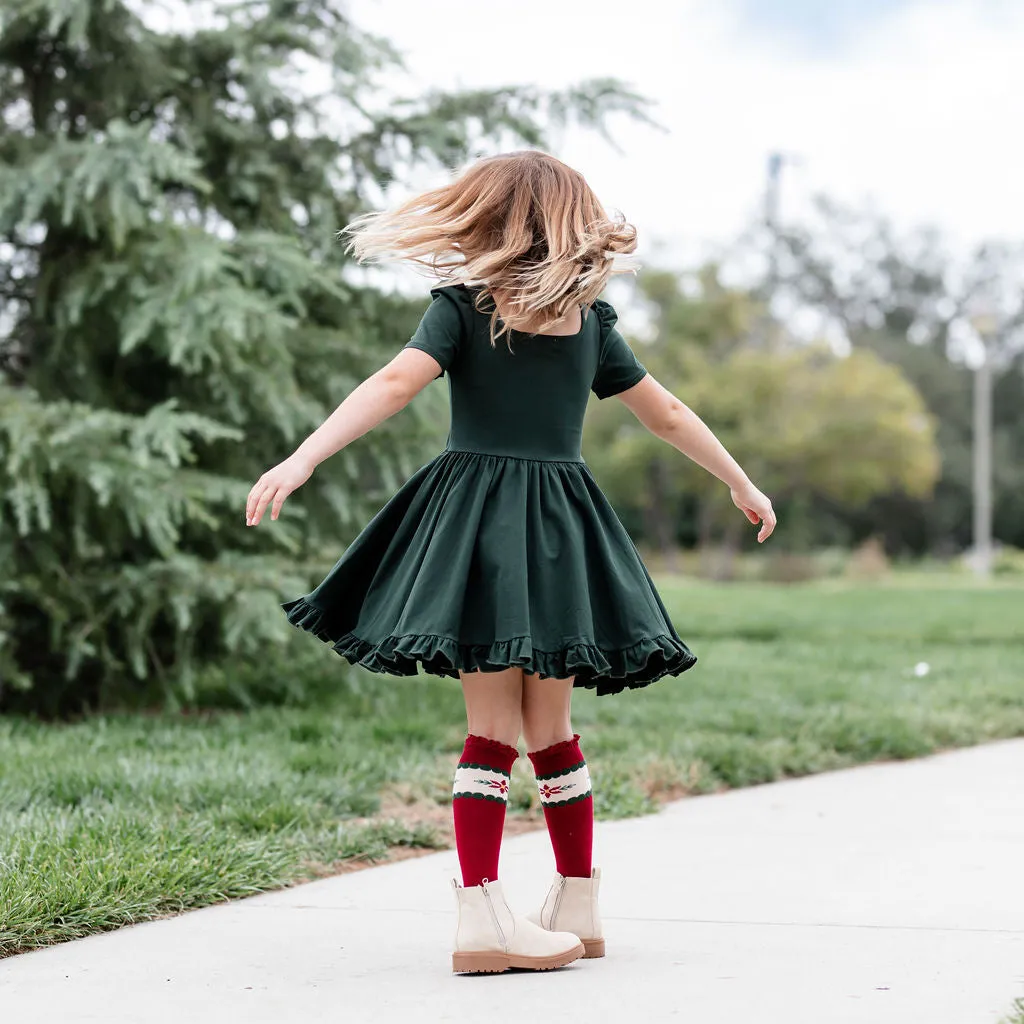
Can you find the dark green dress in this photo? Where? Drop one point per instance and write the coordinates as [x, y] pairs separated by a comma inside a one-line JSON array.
[[502, 550]]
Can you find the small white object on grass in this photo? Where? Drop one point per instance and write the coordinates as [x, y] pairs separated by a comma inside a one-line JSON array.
[[922, 668]]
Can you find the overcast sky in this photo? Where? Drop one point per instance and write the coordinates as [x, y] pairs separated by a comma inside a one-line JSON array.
[[916, 107]]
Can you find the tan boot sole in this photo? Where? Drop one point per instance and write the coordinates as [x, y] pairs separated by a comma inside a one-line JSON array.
[[495, 962], [594, 948]]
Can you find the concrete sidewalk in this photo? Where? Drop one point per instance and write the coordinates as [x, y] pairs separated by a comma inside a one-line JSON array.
[[888, 894]]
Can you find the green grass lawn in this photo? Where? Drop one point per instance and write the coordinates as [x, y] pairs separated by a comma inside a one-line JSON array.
[[123, 818]]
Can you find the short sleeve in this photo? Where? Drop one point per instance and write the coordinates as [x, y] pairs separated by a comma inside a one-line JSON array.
[[440, 331], [618, 368]]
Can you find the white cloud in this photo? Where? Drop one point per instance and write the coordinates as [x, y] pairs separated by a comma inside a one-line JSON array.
[[919, 112]]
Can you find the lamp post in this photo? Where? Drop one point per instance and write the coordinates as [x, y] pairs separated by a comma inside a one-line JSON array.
[[765, 333], [984, 325]]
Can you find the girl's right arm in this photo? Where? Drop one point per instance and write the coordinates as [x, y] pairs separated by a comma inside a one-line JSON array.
[[667, 417], [379, 396]]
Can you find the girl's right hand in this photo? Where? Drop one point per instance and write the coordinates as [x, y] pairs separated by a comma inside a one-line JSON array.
[[274, 486], [757, 508]]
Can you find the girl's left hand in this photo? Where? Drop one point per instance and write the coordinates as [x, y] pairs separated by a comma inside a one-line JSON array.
[[757, 507], [274, 486]]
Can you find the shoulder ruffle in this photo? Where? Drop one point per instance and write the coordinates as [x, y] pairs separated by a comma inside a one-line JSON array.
[[605, 314], [459, 298], [457, 293]]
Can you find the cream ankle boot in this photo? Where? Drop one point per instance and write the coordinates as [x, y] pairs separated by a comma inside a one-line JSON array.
[[489, 937], [571, 906]]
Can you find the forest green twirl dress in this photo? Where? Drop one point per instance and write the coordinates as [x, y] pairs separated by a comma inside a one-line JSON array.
[[502, 550]]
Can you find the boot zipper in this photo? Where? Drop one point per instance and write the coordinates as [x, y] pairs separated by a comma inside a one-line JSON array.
[[494, 916], [558, 902]]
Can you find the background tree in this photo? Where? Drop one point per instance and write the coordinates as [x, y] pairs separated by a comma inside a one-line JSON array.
[[656, 492], [908, 299], [174, 317], [806, 425]]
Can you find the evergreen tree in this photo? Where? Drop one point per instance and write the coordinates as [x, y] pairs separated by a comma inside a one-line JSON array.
[[175, 315]]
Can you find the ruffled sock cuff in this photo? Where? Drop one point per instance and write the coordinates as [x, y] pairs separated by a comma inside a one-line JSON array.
[[557, 757], [483, 750]]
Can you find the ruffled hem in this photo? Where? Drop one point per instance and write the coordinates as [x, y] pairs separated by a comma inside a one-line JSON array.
[[606, 671]]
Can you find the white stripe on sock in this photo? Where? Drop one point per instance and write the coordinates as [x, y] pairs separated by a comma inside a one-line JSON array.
[[484, 781], [563, 788]]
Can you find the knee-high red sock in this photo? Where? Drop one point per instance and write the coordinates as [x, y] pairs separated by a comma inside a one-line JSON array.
[[479, 797], [563, 782]]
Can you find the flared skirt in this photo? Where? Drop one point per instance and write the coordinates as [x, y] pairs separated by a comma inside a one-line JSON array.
[[480, 562]]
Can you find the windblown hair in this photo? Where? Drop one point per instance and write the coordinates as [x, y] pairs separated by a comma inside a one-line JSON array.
[[522, 226]]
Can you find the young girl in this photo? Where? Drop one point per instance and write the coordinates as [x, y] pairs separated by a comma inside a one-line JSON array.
[[500, 562]]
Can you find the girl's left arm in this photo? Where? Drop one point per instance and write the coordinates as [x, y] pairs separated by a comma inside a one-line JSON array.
[[379, 396], [667, 417]]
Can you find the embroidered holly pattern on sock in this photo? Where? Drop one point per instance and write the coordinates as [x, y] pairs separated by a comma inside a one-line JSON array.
[[550, 791], [565, 786]]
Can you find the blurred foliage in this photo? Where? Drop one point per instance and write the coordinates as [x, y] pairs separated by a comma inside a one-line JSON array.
[[804, 423], [1009, 562], [174, 317], [911, 299]]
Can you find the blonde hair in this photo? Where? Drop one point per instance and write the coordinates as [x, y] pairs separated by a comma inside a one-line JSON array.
[[523, 225]]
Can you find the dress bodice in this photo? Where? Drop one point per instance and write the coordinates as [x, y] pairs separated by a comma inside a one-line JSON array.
[[523, 397]]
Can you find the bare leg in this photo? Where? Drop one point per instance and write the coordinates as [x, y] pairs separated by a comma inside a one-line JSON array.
[[494, 703], [546, 711]]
